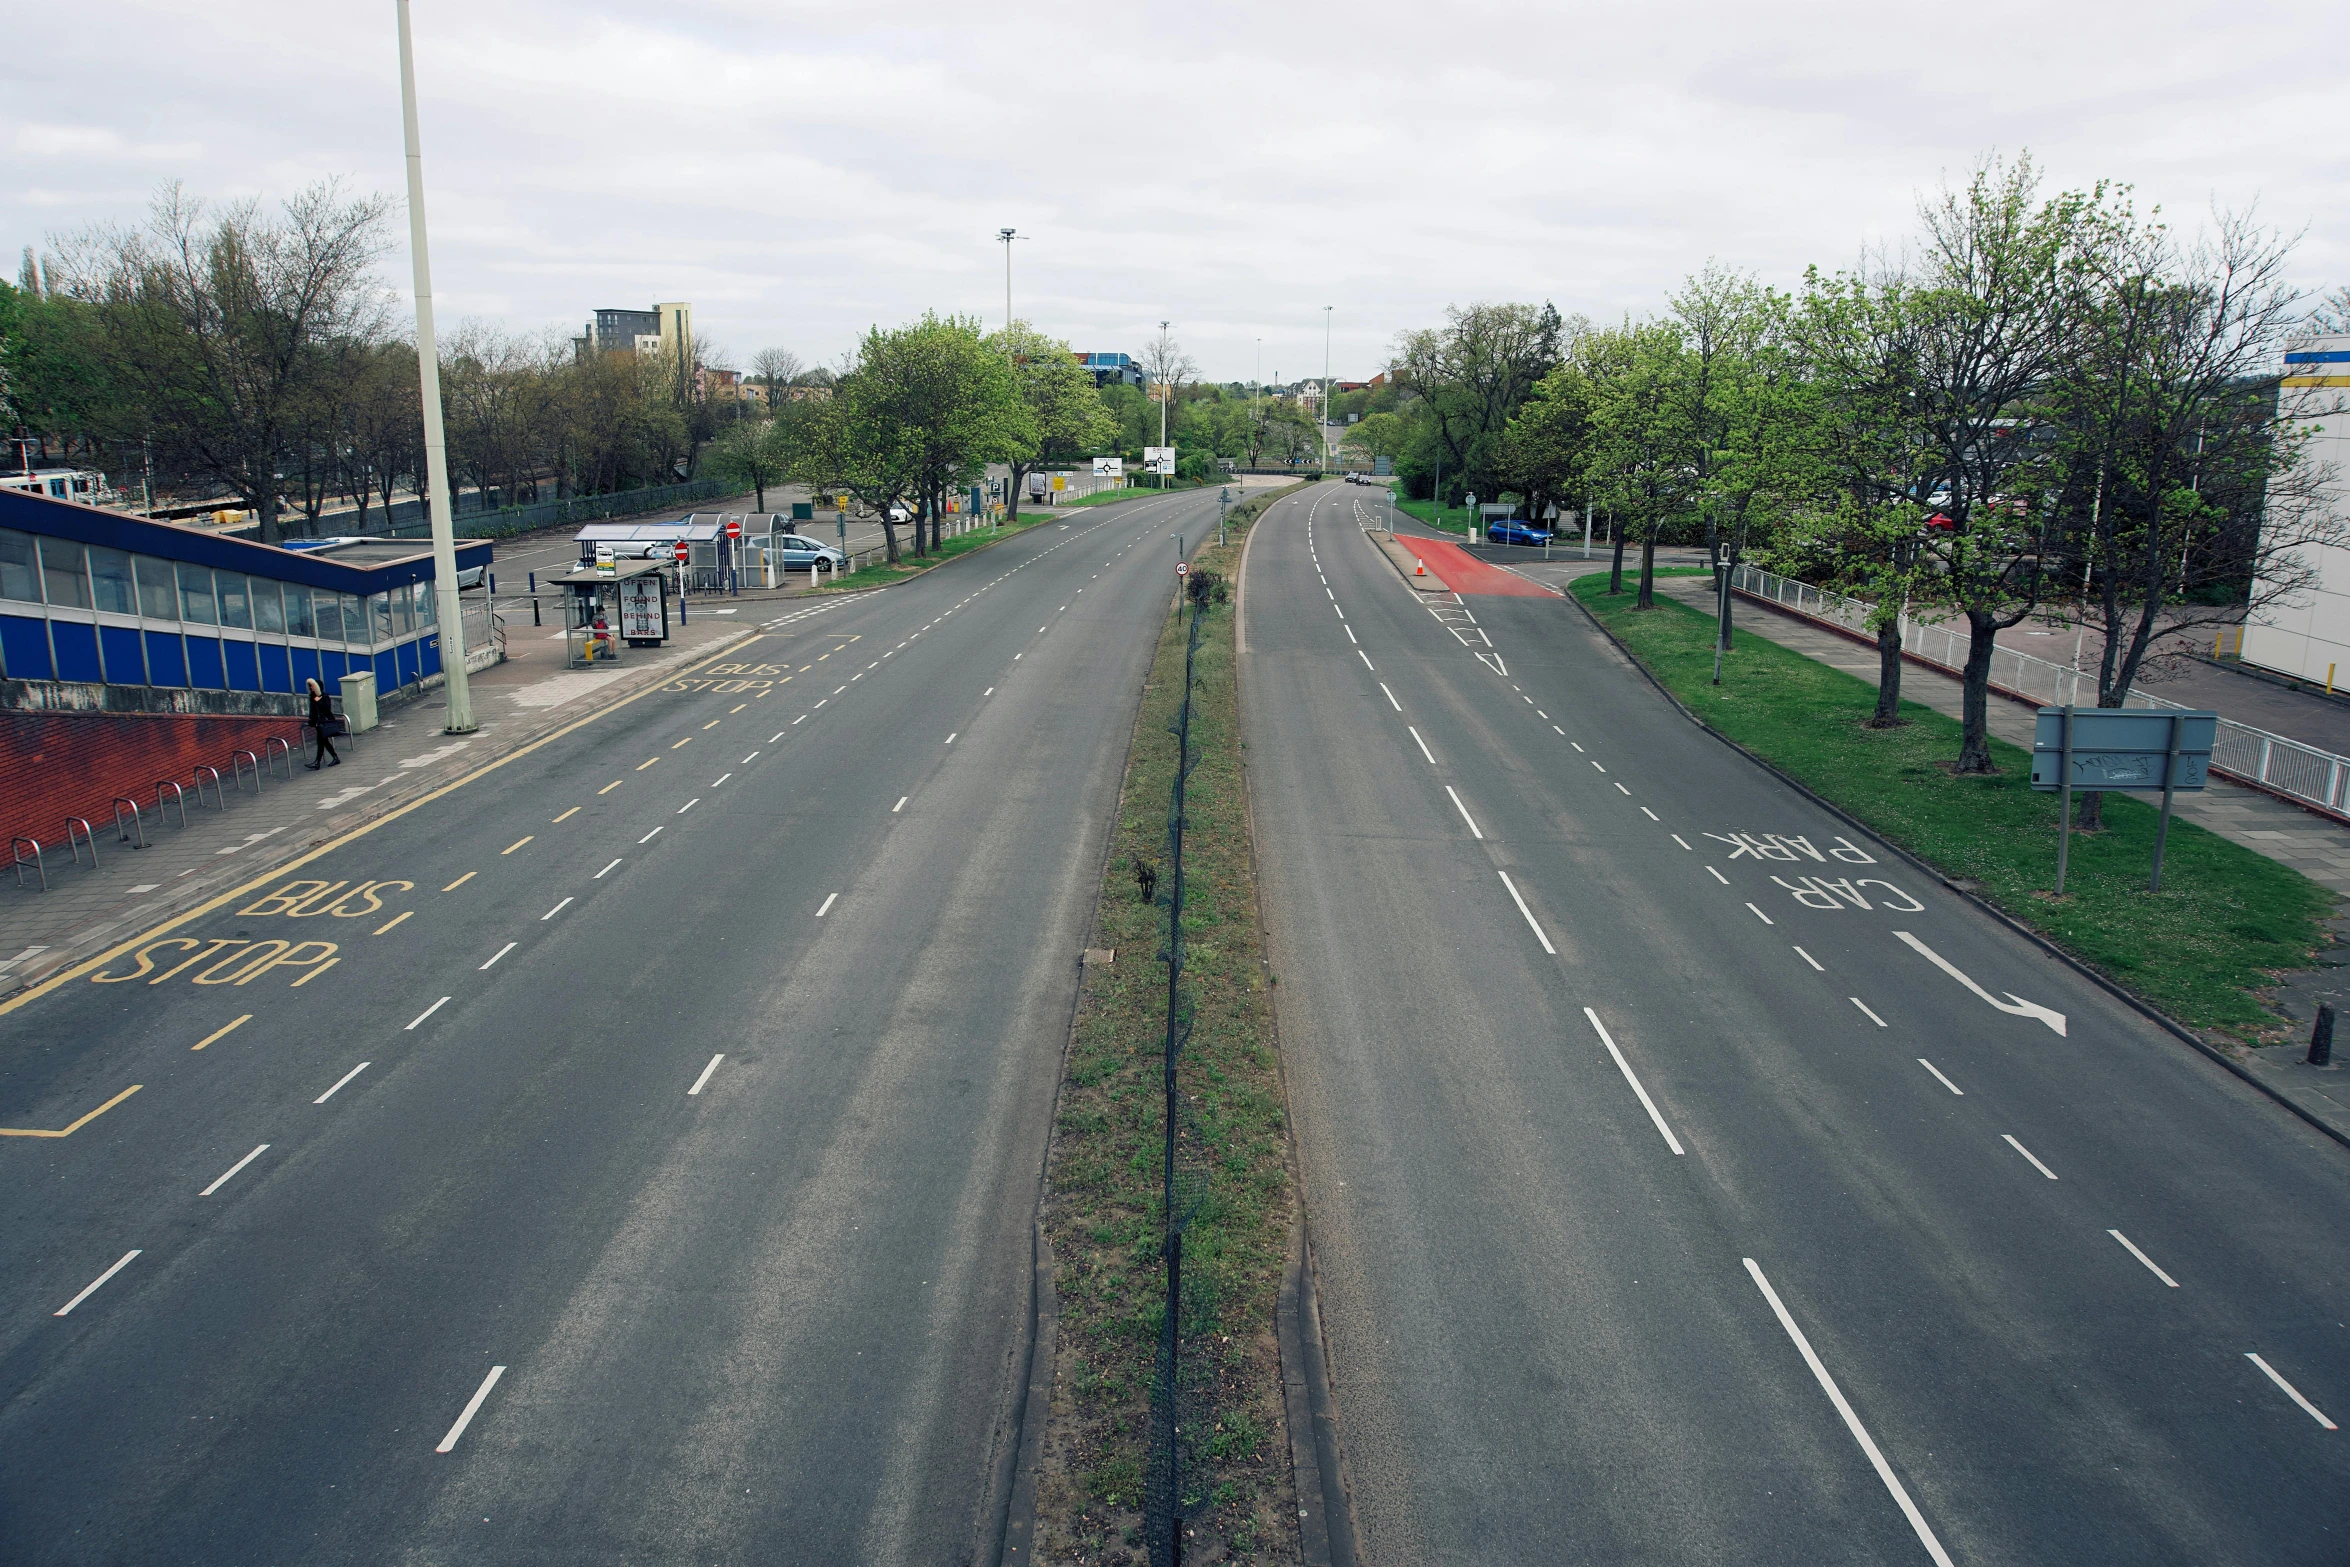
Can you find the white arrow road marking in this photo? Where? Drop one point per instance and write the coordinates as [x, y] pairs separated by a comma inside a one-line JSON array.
[[2014, 1004]]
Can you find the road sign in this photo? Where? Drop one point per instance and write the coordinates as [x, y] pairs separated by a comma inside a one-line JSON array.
[[734, 527], [2116, 748], [1159, 459], [1183, 568], [681, 552], [604, 562], [1109, 467]]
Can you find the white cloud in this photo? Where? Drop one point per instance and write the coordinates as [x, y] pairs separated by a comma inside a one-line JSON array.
[[802, 172]]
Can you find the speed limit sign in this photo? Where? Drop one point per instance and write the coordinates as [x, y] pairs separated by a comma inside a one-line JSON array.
[[1183, 568]]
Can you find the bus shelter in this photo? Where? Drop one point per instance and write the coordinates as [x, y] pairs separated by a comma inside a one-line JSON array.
[[606, 608]]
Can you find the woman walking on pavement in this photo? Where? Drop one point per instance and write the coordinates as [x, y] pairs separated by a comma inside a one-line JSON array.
[[322, 719]]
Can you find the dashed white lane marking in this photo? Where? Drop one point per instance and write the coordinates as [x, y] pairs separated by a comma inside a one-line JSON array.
[[510, 946], [444, 1001], [550, 914], [2291, 1392], [1620, 789], [1683, 842], [124, 1261], [264, 1148], [1423, 745], [689, 805], [1625, 1067], [1760, 915], [1865, 1012], [342, 1082], [1717, 875], [1808, 958], [1860, 1433], [748, 760], [1531, 923], [649, 837], [705, 1077], [829, 900], [901, 805], [1366, 658], [606, 871], [472, 1408], [1391, 701], [950, 739], [1651, 815], [2131, 1247], [1939, 1078], [1464, 810], [2009, 1139]]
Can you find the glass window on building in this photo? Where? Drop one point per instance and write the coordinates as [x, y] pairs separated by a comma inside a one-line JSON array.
[[20, 567], [354, 620], [61, 569], [236, 608], [381, 605], [403, 612], [196, 595], [269, 613], [329, 609], [298, 621], [426, 616], [112, 589], [158, 595]]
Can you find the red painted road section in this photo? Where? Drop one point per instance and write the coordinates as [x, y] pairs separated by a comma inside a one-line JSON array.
[[1465, 573]]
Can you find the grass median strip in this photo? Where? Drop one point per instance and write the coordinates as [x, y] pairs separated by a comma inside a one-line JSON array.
[[1104, 1193], [2226, 922]]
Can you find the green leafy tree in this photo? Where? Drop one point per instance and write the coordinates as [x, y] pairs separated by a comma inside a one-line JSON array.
[[749, 453], [1064, 407]]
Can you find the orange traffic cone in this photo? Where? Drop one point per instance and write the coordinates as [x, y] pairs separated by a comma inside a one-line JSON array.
[[1420, 567]]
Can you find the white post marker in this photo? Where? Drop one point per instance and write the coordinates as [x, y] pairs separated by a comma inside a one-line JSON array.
[[472, 1408], [1860, 1433]]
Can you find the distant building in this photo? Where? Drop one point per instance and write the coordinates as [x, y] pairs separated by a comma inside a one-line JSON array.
[[1106, 368], [2309, 637], [666, 330]]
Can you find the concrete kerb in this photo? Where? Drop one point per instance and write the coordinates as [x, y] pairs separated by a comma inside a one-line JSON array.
[[107, 941], [2110, 987]]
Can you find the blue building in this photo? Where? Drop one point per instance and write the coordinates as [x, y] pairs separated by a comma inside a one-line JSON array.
[[1112, 367], [98, 597]]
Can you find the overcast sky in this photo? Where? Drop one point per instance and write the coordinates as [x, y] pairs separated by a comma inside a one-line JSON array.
[[799, 173]]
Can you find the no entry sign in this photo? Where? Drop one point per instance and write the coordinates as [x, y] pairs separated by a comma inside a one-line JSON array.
[[681, 552], [734, 527]]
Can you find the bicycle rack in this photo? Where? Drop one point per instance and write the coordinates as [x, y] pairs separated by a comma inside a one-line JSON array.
[[137, 825], [177, 793], [15, 849], [237, 762], [274, 747], [87, 837], [196, 777]]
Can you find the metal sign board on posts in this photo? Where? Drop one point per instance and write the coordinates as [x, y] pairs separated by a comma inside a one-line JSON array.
[[2114, 749], [1109, 467], [1159, 459]]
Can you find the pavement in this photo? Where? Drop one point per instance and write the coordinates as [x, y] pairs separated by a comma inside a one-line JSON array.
[[1693, 1181], [625, 1148]]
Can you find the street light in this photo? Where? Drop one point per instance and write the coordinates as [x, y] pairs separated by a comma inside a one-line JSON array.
[[436, 450], [1326, 309], [1164, 397], [1006, 236]]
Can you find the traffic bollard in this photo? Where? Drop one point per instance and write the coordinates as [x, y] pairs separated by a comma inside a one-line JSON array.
[[534, 584], [534, 609], [2321, 1038]]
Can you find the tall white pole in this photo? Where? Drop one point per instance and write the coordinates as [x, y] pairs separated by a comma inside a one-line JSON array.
[[1165, 394], [436, 450], [1326, 309]]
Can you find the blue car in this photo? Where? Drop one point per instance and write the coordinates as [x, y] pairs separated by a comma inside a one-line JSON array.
[[1513, 531]]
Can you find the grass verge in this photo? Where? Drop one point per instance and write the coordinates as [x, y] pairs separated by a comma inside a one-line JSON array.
[[2225, 924], [882, 573], [1103, 1194], [1450, 519]]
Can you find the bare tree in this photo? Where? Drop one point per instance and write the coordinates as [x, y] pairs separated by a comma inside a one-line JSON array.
[[223, 327], [777, 370], [1167, 367]]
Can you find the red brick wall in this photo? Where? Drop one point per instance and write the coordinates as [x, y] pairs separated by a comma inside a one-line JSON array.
[[55, 765]]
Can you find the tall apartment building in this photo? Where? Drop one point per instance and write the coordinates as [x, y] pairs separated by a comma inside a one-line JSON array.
[[2309, 636]]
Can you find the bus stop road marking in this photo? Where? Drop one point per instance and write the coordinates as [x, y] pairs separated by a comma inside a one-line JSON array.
[[11, 1131], [222, 1033]]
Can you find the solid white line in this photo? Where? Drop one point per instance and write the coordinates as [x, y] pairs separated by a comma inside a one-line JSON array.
[[508, 947], [1683, 842], [1864, 1007], [550, 914], [264, 1148], [1424, 751], [2291, 1391], [472, 1408], [1717, 875], [1651, 815], [436, 1006], [1625, 1067], [1860, 1433], [1391, 701], [1939, 1078], [606, 871], [2027, 1153], [2131, 1247], [689, 805], [1464, 810], [705, 1077], [338, 1088], [1529, 913], [648, 837], [124, 1262], [1760, 915], [828, 902], [1808, 958], [901, 805], [1366, 658]]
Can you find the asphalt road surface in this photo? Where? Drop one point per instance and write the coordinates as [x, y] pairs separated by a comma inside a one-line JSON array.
[[628, 1154], [1693, 1183]]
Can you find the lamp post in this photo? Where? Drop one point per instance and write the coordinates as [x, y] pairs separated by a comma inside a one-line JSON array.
[[1326, 309], [436, 451], [1006, 236], [1165, 395]]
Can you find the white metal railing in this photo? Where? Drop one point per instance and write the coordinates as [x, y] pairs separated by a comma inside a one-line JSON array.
[[2299, 772]]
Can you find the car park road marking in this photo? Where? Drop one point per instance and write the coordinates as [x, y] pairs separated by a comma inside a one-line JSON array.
[[81, 1121], [2014, 1005]]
